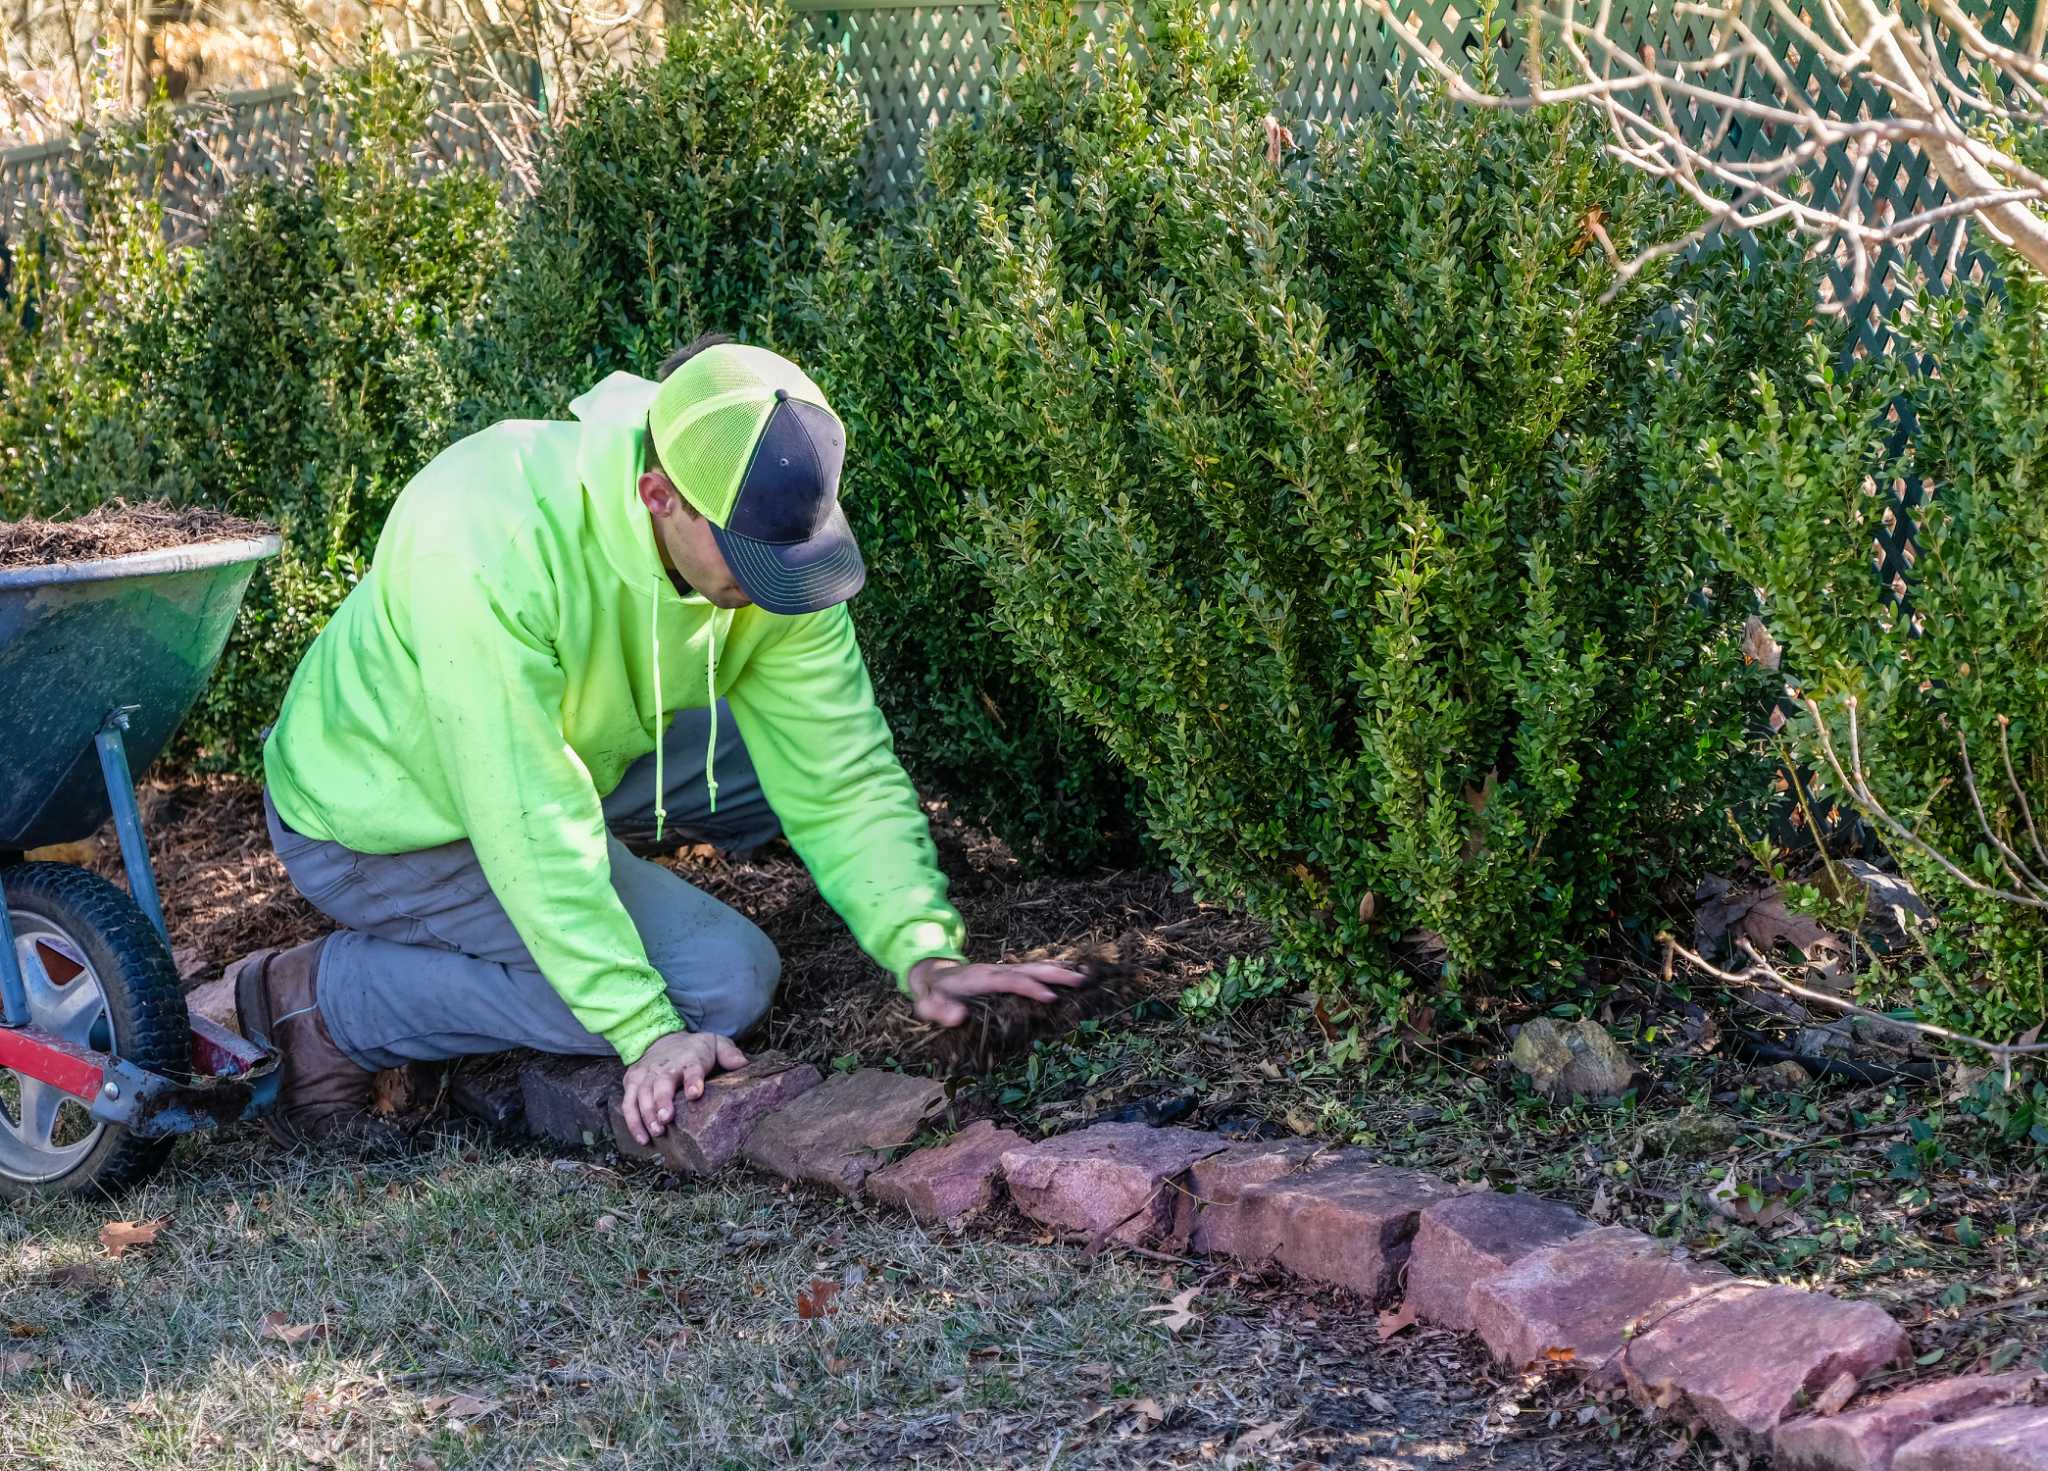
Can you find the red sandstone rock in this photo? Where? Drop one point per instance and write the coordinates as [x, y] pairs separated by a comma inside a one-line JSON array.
[[1462, 1242], [1739, 1360], [707, 1132], [949, 1180], [567, 1100], [1578, 1300], [836, 1134], [1346, 1222], [1995, 1440], [1867, 1437], [1116, 1182], [1212, 1217]]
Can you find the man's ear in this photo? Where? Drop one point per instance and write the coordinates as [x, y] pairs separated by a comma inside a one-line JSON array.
[[659, 494]]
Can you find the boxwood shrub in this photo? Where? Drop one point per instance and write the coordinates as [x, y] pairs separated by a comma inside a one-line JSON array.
[[1320, 495]]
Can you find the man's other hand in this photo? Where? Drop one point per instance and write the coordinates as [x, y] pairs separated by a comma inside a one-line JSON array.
[[938, 987], [679, 1062]]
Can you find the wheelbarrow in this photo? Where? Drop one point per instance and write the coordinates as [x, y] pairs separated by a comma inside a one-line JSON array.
[[100, 1064]]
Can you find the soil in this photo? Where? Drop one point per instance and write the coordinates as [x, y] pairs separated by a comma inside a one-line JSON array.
[[1130, 931], [118, 529]]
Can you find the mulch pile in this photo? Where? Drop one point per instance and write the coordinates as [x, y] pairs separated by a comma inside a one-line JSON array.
[[1131, 931], [118, 529]]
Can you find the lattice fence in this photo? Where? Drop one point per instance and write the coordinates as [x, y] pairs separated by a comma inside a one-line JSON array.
[[276, 130]]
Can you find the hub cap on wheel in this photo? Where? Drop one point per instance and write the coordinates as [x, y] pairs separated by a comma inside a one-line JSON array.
[[44, 1131]]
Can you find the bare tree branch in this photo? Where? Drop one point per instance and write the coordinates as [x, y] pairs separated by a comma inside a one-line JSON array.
[[1672, 116]]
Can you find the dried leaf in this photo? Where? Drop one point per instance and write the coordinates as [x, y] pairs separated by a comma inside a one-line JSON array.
[[1147, 1412], [1380, 1403], [1256, 1436], [1830, 1400], [1602, 1207], [122, 1237], [1758, 647], [391, 1092], [20, 1361], [461, 1407], [1756, 915], [1178, 1313], [1279, 139], [1397, 1322], [606, 1224], [816, 1300], [1728, 1199], [274, 1327]]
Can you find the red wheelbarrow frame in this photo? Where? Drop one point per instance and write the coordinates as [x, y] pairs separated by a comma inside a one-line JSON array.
[[232, 1079]]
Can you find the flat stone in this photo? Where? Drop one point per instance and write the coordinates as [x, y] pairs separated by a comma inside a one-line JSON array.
[[1109, 1182], [1739, 1361], [1212, 1217], [948, 1181], [1867, 1437], [839, 1132], [1577, 1301], [707, 1132], [567, 1100], [489, 1089], [1994, 1440], [1346, 1221], [1472, 1239]]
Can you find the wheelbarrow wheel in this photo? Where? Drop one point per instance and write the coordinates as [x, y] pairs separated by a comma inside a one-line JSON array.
[[97, 974]]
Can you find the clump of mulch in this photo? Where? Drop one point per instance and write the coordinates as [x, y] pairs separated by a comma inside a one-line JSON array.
[[1001, 1028], [118, 529]]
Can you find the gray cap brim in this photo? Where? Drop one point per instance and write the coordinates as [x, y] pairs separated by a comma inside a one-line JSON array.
[[821, 571]]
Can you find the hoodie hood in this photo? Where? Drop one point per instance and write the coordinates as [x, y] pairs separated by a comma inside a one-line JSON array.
[[609, 455]]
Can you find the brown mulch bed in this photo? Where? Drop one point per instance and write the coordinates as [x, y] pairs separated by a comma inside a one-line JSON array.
[[118, 529], [225, 894]]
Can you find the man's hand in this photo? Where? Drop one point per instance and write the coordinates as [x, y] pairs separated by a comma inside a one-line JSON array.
[[685, 1058], [937, 986]]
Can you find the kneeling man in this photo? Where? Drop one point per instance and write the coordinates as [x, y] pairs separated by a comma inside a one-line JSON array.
[[498, 700]]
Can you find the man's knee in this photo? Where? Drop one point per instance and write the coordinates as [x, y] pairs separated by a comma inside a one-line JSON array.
[[735, 974]]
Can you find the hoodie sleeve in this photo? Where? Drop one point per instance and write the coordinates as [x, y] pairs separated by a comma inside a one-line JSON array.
[[827, 764], [494, 689]]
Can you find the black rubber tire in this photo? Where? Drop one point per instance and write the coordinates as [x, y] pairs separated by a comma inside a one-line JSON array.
[[144, 1003]]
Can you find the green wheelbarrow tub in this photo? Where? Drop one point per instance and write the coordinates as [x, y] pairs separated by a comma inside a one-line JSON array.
[[81, 639]]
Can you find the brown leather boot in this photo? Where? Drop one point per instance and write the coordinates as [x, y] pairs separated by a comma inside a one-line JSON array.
[[323, 1097]]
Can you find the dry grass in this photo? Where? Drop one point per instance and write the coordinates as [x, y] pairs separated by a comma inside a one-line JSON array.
[[589, 1318]]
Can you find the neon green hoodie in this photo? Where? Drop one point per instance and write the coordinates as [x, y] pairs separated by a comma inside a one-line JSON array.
[[517, 644]]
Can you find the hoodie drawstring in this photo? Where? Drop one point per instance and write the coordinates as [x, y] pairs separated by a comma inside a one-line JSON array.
[[711, 699], [661, 731]]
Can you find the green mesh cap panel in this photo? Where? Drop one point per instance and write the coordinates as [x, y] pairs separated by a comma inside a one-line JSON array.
[[708, 415]]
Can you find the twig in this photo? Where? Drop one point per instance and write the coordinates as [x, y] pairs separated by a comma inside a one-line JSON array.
[[1760, 970], [1859, 43]]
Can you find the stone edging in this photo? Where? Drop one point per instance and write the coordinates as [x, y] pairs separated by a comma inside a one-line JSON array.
[[1767, 1368]]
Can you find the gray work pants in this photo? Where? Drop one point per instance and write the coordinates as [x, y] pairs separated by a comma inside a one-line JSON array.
[[428, 966]]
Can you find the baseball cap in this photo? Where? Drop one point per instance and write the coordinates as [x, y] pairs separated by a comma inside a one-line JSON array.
[[754, 448]]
